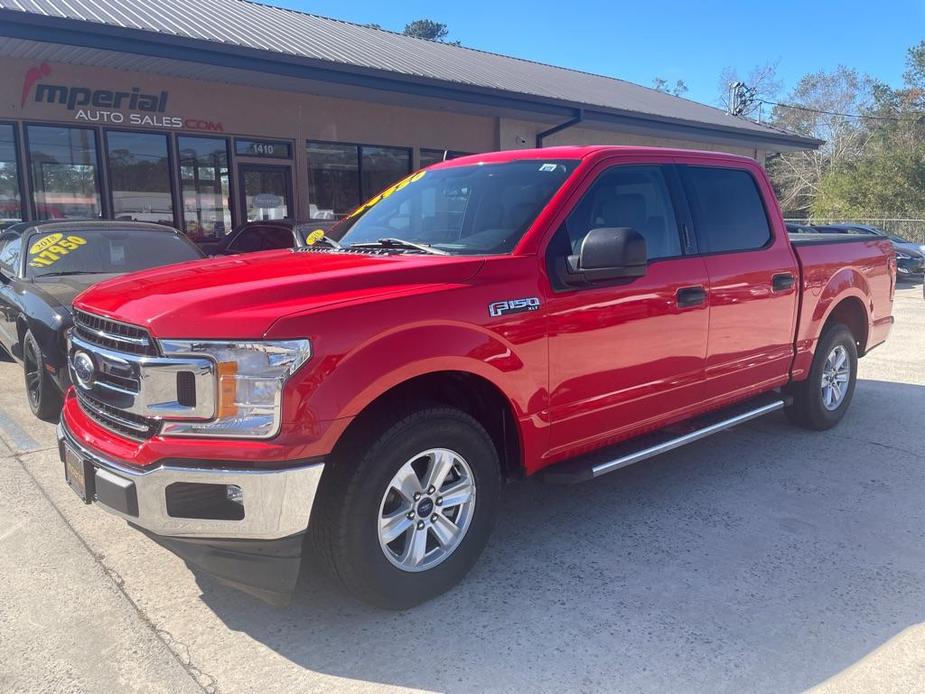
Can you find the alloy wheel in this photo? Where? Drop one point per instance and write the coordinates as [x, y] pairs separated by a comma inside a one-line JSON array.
[[426, 510]]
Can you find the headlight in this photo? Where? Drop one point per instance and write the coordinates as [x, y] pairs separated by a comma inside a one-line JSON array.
[[902, 256], [251, 376]]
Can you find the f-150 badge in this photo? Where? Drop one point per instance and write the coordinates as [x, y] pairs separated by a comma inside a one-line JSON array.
[[502, 308]]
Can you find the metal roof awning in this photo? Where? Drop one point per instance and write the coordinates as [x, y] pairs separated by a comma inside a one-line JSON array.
[[243, 42]]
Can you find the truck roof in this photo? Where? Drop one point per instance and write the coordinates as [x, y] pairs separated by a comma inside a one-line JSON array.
[[585, 152]]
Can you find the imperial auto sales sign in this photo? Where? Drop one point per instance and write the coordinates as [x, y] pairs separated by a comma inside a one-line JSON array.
[[130, 106]]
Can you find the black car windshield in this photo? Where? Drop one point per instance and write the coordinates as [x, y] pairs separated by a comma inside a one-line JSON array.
[[109, 251], [470, 209]]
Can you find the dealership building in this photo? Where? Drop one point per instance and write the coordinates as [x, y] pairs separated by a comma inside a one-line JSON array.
[[207, 113]]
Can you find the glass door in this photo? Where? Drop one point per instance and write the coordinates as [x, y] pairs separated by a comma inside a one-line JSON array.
[[266, 191]]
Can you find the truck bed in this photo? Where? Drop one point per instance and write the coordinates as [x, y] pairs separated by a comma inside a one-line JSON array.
[[833, 266]]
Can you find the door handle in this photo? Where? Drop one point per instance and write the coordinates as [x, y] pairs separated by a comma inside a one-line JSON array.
[[691, 296], [782, 282]]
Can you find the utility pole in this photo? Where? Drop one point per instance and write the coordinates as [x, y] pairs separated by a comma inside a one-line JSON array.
[[741, 98]]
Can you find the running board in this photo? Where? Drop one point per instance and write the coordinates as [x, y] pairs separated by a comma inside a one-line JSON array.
[[606, 460]]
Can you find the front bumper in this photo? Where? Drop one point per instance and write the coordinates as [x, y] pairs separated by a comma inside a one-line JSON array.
[[259, 552]]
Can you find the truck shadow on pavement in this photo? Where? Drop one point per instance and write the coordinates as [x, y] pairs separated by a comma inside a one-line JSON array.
[[766, 559]]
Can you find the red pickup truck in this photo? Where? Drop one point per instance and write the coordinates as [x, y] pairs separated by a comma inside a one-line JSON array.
[[563, 312]]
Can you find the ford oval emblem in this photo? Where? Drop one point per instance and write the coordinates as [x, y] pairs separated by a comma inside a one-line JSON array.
[[84, 369]]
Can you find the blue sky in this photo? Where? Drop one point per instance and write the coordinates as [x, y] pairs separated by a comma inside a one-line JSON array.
[[692, 40]]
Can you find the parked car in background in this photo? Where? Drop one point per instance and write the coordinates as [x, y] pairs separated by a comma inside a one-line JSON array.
[[910, 256], [565, 311], [44, 265], [269, 235]]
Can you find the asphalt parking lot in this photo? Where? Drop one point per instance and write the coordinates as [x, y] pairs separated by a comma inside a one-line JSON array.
[[766, 559]]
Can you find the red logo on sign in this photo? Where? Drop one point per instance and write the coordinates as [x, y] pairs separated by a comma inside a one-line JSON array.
[[33, 75]]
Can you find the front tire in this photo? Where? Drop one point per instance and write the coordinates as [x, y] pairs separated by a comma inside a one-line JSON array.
[[43, 396], [407, 516], [821, 400]]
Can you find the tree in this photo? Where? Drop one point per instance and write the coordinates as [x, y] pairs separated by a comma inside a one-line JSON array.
[[429, 30], [826, 106], [887, 178], [678, 89]]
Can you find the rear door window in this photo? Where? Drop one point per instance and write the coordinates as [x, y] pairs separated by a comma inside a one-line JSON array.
[[727, 209]]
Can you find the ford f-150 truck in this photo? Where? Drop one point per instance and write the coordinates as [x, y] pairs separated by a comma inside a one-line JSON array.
[[560, 312]]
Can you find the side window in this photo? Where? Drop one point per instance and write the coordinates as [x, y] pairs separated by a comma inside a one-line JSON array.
[[624, 196], [9, 253], [727, 209], [277, 237], [247, 241]]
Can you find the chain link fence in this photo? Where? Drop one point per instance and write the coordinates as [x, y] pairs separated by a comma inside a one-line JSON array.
[[912, 229]]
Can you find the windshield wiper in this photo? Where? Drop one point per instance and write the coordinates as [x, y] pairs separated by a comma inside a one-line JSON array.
[[392, 242], [71, 272]]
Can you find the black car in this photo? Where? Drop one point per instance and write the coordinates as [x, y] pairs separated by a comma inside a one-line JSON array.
[[44, 265], [910, 256], [266, 235], [793, 228]]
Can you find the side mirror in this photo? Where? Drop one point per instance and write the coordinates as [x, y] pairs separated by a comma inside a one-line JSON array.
[[607, 253]]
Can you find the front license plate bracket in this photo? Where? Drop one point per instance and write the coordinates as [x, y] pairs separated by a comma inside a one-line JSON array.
[[79, 474]]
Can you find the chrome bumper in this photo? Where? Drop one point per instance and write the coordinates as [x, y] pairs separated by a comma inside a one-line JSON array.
[[277, 503]]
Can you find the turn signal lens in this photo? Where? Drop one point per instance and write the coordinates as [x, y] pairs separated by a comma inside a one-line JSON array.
[[227, 388]]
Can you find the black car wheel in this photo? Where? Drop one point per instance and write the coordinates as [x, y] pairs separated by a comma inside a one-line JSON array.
[[41, 392]]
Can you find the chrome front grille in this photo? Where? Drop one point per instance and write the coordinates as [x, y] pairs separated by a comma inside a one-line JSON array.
[[113, 335], [124, 423], [123, 383]]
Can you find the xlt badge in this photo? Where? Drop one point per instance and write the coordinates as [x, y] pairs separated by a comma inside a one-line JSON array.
[[502, 308]]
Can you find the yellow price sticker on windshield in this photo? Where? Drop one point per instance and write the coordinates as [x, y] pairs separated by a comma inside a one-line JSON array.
[[314, 237], [52, 248], [387, 192]]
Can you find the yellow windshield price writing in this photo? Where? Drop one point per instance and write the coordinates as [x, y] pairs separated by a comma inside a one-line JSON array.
[[52, 248], [387, 192]]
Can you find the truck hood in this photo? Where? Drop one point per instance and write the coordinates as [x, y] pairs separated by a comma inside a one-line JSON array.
[[240, 297]]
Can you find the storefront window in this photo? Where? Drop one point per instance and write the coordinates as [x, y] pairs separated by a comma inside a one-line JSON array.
[[205, 186], [139, 175], [341, 176], [265, 191], [10, 200], [65, 181], [434, 156], [333, 180], [381, 167]]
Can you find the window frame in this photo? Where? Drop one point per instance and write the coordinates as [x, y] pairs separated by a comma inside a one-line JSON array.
[[25, 207], [359, 156], [101, 183], [688, 201], [173, 170], [676, 196], [178, 174]]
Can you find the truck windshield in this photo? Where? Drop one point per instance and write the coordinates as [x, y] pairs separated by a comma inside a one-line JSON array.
[[472, 209]]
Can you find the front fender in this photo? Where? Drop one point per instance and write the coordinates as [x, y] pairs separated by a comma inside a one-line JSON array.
[[341, 386]]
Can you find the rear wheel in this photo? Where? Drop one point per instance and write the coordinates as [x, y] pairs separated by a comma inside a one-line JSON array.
[[44, 398], [822, 399], [409, 515]]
